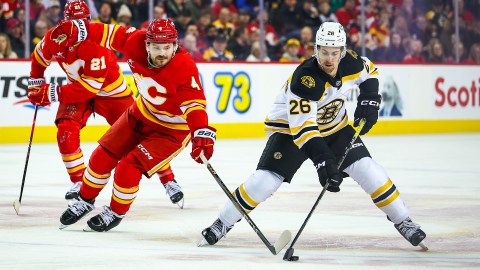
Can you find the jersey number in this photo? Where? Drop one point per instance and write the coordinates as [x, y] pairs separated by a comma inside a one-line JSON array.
[[297, 107], [98, 63]]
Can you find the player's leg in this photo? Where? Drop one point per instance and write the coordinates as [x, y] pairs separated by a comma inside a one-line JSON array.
[[70, 119], [280, 160], [375, 181], [145, 158], [116, 143]]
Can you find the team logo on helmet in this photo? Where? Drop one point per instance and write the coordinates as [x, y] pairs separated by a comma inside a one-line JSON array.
[[308, 81]]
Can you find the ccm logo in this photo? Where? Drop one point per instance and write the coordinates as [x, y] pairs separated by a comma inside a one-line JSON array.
[[370, 103]]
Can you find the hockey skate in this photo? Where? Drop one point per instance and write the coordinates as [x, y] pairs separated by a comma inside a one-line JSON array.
[[73, 191], [212, 234], [412, 232], [77, 209], [104, 221], [174, 191]]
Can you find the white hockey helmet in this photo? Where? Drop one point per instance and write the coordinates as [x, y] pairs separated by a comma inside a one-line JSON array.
[[331, 34]]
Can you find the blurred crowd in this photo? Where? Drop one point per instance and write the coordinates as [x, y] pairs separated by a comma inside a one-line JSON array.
[[404, 31]]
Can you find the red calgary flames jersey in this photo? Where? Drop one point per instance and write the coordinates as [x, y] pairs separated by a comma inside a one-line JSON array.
[[171, 96], [91, 69]]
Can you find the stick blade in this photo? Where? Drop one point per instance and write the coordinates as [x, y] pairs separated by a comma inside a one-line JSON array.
[[283, 241], [16, 206]]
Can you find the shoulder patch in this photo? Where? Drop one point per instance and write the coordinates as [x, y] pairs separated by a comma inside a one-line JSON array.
[[308, 81]]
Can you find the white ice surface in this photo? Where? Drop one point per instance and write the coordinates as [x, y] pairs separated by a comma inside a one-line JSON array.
[[437, 175]]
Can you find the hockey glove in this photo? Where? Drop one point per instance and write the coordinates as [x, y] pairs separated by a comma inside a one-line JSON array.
[[203, 139], [367, 107], [48, 93], [34, 84], [328, 172]]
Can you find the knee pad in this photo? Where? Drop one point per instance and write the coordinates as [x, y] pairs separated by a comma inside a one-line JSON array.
[[68, 136], [368, 174], [261, 185]]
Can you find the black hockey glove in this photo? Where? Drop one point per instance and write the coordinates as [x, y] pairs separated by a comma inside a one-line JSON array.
[[367, 107], [327, 171]]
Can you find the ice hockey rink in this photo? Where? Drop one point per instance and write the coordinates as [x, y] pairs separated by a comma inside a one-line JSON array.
[[437, 175]]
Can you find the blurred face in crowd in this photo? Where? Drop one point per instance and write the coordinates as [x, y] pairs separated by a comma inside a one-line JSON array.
[[219, 46], [329, 58], [306, 34], [190, 43], [192, 29], [3, 43], [105, 11], [396, 40], [293, 50], [41, 28], [224, 15], [158, 12], [437, 49], [160, 53]]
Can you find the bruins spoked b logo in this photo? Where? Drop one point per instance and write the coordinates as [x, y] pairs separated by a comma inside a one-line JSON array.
[[326, 114]]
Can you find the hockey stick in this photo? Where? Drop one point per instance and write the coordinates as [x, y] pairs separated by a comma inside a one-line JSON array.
[[285, 237], [17, 203], [289, 253]]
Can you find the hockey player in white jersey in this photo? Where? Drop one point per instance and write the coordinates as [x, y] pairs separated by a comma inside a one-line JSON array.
[[308, 120]]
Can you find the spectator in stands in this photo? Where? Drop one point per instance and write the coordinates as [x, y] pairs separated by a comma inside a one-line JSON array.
[[196, 7], [308, 51], [52, 15], [401, 27], [414, 54], [41, 28], [190, 45], [174, 8], [17, 37], [254, 55], [243, 19], [36, 8], [202, 23], [222, 24], [6, 47], [124, 16], [271, 35], [105, 13], [306, 36], [435, 52], [210, 34], [325, 12], [183, 19], [238, 44], [218, 51], [291, 50], [418, 28], [310, 15], [474, 55], [287, 19], [395, 51], [218, 5], [158, 13], [192, 29], [347, 14]]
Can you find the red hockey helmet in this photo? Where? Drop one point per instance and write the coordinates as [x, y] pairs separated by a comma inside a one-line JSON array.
[[76, 9], [162, 31]]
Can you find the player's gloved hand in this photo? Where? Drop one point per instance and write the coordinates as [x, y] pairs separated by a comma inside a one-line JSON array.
[[328, 172], [367, 107], [48, 93], [72, 31], [203, 139], [34, 84]]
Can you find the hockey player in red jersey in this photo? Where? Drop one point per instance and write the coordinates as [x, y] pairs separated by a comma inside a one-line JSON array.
[[169, 112], [96, 86]]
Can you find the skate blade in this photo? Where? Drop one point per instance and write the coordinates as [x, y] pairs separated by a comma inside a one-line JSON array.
[[88, 229], [62, 226], [180, 203], [423, 245], [202, 243]]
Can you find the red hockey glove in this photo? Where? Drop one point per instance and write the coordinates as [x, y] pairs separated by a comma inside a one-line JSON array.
[[71, 31], [203, 140], [34, 84], [48, 93]]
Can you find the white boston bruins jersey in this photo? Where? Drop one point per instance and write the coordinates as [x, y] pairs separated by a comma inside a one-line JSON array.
[[312, 103]]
